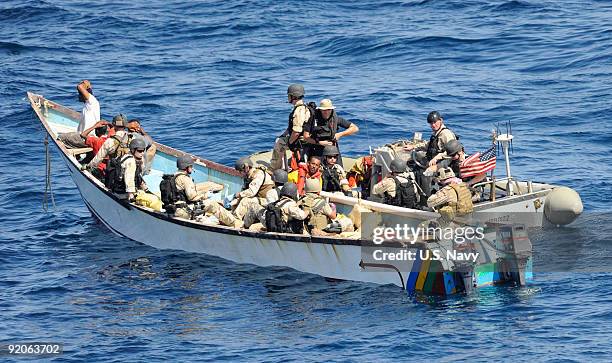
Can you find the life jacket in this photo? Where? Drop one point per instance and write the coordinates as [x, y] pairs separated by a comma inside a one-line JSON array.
[[114, 179], [170, 195], [312, 108], [275, 222], [464, 203], [313, 205], [331, 179], [433, 148], [405, 195]]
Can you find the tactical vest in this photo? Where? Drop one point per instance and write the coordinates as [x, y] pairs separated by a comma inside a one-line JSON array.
[[263, 188], [405, 195], [464, 203], [433, 148], [331, 179], [313, 206], [121, 148], [325, 130], [310, 117], [181, 195]]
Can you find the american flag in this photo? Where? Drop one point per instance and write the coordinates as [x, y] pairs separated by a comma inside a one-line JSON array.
[[479, 163]]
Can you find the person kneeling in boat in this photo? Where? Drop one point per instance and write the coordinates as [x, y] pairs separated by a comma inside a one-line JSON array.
[[189, 202], [258, 182], [333, 175], [398, 188], [284, 215], [454, 199], [124, 174], [115, 146], [320, 212]]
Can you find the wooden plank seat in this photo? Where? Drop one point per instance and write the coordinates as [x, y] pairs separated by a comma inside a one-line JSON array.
[[79, 151]]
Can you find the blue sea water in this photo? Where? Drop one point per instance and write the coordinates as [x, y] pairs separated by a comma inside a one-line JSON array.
[[210, 78]]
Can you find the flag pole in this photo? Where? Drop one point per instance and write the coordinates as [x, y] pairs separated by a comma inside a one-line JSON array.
[[505, 140]]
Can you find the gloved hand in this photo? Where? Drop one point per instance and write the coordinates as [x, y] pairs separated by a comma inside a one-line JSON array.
[[227, 201], [209, 194], [83, 167]]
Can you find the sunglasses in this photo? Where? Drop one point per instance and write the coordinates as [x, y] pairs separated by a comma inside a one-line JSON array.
[[140, 150]]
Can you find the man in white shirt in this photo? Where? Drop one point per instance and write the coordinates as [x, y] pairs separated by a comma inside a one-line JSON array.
[[91, 109]]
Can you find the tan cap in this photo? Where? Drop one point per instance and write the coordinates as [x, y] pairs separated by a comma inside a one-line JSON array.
[[312, 185], [326, 104]]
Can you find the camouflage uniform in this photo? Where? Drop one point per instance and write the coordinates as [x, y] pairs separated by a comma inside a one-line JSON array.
[[184, 183], [260, 183], [301, 114]]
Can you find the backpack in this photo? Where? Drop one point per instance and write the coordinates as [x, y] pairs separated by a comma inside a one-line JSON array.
[[114, 174], [169, 194], [405, 195], [274, 219]]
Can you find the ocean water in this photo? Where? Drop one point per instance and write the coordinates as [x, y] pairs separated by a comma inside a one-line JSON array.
[[210, 78]]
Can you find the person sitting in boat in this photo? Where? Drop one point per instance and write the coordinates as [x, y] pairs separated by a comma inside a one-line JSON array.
[[310, 170], [255, 211], [291, 137], [136, 131], [258, 182], [453, 157], [285, 215], [324, 130], [360, 175], [115, 146], [333, 175], [91, 108], [398, 188], [124, 175], [320, 213], [189, 201], [439, 137], [454, 199]]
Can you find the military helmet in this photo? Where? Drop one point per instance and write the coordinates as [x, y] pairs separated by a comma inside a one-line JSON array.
[[184, 162], [243, 163], [280, 176], [295, 90], [120, 120], [290, 190], [136, 144], [398, 166], [445, 173], [330, 150], [433, 117], [452, 147], [312, 185]]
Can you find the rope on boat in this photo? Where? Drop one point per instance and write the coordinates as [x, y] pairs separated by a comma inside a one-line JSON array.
[[48, 189]]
